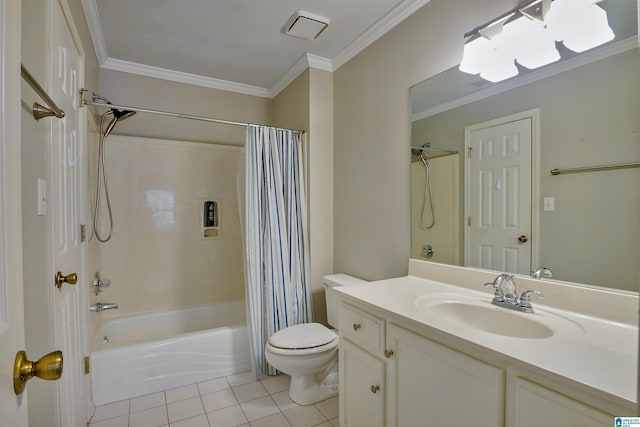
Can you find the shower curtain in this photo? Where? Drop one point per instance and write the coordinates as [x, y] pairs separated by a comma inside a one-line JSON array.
[[275, 237]]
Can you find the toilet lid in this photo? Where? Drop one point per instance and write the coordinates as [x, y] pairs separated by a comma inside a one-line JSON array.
[[306, 335]]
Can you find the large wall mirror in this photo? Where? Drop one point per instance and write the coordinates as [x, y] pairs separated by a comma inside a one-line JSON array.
[[583, 112]]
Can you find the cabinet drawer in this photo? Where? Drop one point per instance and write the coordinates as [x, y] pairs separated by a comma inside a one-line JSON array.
[[362, 328]]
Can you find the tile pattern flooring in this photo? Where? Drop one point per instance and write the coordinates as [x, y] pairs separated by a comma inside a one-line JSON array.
[[236, 400]]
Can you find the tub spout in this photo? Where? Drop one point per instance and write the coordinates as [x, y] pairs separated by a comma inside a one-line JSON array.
[[102, 306]]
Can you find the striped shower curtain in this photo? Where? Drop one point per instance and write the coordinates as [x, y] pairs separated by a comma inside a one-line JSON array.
[[275, 237]]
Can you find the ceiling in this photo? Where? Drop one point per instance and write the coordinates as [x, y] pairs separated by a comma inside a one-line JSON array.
[[236, 45]]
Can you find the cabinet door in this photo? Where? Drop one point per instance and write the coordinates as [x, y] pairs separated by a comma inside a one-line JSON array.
[[362, 388], [432, 385], [539, 406]]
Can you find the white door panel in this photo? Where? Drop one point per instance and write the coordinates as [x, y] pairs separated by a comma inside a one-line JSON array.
[[499, 189]]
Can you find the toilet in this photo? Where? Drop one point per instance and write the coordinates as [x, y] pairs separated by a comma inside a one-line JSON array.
[[309, 352]]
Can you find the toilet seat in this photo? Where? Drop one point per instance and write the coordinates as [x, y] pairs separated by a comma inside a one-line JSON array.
[[306, 338]]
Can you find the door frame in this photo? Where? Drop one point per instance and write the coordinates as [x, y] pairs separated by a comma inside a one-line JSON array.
[[534, 116], [13, 408]]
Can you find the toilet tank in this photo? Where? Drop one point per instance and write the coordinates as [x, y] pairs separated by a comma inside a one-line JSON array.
[[331, 281]]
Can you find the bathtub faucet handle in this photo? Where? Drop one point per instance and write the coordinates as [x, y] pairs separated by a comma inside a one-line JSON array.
[[98, 283], [102, 306]]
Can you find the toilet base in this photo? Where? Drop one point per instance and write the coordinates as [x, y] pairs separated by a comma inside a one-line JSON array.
[[313, 388]]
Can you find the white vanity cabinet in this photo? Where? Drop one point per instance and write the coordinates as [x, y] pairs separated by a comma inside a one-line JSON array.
[[433, 385], [393, 375], [418, 382], [362, 386]]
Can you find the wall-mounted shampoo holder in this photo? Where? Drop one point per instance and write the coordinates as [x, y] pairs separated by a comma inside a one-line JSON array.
[[210, 219]]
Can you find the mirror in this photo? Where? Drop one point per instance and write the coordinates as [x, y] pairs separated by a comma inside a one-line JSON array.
[[585, 226]]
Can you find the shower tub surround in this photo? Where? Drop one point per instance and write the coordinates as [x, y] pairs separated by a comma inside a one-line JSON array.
[[142, 354]]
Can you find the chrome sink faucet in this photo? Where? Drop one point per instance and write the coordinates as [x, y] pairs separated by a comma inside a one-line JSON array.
[[541, 272], [508, 297]]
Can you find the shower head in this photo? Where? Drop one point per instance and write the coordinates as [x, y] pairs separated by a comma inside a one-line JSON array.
[[122, 114], [117, 114]]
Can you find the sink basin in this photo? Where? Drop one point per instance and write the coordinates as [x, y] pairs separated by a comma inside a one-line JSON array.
[[476, 313], [488, 318]]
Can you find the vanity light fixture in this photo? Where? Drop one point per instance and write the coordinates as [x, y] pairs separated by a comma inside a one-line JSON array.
[[528, 34]]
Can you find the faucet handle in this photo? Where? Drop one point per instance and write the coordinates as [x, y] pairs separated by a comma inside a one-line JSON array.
[[498, 295], [525, 301]]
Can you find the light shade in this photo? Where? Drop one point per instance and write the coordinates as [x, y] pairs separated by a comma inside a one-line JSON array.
[[580, 24], [475, 54], [530, 42]]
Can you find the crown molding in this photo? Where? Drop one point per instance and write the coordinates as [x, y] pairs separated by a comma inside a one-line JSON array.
[[377, 30], [182, 77], [307, 60], [534, 76], [90, 8]]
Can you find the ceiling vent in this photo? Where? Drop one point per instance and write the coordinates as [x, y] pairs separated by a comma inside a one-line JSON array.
[[305, 25]]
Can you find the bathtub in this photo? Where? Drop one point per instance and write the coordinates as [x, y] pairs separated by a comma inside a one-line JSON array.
[[141, 354]]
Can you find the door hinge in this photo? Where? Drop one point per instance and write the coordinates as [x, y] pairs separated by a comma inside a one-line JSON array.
[[469, 221], [83, 233], [87, 365], [469, 150]]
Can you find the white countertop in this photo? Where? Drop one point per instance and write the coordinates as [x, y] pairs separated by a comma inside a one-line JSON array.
[[591, 351]]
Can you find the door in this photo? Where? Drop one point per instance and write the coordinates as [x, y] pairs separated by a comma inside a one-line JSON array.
[[67, 161], [432, 385], [498, 195], [13, 409], [362, 388]]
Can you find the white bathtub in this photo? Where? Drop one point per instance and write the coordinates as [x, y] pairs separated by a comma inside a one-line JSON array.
[[152, 352]]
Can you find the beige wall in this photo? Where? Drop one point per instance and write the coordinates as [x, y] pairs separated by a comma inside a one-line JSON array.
[[372, 133], [588, 116], [34, 163], [157, 258], [157, 94]]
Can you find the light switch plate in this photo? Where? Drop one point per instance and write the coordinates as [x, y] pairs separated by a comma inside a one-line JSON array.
[[549, 204], [42, 197]]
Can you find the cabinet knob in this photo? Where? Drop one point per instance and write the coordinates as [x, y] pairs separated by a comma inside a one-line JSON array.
[[375, 388], [388, 353], [356, 326]]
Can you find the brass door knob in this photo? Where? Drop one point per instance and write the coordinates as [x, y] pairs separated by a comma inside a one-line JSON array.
[[71, 279], [49, 367], [523, 239]]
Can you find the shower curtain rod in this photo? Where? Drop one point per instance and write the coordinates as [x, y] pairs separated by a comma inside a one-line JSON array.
[[83, 102]]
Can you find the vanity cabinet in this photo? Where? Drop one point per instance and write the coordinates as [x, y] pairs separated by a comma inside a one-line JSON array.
[[536, 406], [433, 385], [362, 386], [418, 381], [392, 375]]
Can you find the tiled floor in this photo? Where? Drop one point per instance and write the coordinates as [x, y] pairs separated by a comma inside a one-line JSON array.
[[236, 400]]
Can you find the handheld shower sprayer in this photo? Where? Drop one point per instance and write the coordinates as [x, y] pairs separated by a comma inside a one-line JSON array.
[[101, 182]]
